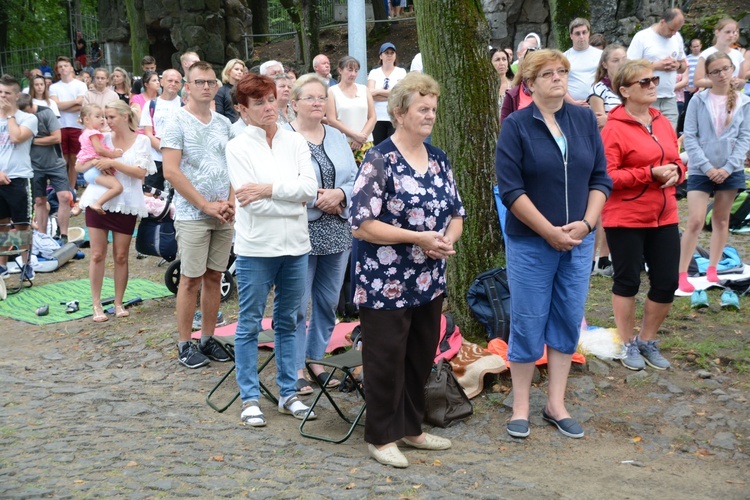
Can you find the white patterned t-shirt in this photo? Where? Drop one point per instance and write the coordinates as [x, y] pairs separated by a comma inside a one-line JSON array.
[[203, 161]]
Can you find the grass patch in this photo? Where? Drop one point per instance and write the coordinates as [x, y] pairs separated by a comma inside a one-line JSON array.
[[711, 351]]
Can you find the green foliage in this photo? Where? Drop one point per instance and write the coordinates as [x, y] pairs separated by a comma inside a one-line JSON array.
[[34, 23], [563, 12], [703, 27]]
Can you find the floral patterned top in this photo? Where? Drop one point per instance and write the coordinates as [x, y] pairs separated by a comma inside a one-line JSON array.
[[389, 190]]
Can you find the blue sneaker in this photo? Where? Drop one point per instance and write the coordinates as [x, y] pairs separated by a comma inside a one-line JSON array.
[[651, 354], [198, 318], [28, 273], [633, 359], [699, 299], [4, 272], [730, 300]]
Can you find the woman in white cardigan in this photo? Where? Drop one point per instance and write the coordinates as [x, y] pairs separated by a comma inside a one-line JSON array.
[[273, 185]]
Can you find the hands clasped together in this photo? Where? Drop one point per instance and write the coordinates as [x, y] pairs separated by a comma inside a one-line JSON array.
[[435, 245]]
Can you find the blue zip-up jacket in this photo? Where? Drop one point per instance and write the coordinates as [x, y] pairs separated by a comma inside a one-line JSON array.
[[705, 150], [345, 169], [529, 161]]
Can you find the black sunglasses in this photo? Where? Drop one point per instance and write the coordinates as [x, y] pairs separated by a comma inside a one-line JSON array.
[[645, 82]]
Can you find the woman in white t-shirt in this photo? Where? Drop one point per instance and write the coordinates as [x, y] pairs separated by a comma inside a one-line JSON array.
[[725, 35], [40, 94], [351, 109], [380, 81]]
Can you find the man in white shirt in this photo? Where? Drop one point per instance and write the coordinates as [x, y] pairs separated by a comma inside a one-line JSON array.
[[322, 66], [17, 131], [584, 59], [662, 45], [68, 94], [154, 118], [195, 164]]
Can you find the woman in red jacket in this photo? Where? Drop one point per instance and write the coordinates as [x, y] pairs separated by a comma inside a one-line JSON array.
[[640, 216]]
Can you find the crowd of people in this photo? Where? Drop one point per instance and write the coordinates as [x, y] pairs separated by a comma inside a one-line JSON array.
[[587, 162]]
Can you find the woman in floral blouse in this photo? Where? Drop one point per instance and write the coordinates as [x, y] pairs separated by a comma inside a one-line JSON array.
[[406, 217]]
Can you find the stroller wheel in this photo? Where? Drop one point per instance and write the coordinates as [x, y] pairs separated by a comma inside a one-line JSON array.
[[227, 286], [172, 276]]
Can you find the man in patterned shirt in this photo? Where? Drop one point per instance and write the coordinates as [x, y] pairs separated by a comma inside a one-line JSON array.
[[194, 161]]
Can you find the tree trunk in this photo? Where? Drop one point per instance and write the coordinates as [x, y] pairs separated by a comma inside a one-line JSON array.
[[139, 45], [4, 26], [453, 38], [305, 15], [379, 11], [260, 19]]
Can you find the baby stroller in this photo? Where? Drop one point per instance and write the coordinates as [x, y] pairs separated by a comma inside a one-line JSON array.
[[156, 237]]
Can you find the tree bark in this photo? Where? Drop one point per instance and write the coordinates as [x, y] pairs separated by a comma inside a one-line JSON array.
[[453, 38], [379, 11], [139, 45], [260, 19], [305, 15]]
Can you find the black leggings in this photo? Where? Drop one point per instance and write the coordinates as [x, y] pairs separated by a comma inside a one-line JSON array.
[[382, 131], [659, 247]]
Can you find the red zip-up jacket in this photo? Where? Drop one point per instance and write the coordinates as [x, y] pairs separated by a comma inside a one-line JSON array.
[[637, 200]]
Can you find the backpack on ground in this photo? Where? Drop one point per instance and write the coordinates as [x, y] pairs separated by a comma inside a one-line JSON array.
[[489, 299], [739, 215]]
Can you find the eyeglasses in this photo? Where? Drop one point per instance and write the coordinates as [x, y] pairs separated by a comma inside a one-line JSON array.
[[561, 72], [719, 71], [645, 82], [310, 99], [201, 83], [533, 49], [385, 84]]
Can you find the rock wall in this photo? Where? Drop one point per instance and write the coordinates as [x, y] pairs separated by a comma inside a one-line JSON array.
[[211, 28], [619, 20]]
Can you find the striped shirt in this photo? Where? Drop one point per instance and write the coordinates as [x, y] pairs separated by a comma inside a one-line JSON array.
[[605, 94], [692, 61]]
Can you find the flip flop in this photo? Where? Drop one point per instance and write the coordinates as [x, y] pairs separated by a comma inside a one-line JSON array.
[[71, 307], [321, 378], [302, 387]]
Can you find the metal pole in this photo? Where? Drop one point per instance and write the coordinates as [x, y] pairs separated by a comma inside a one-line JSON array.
[[358, 36]]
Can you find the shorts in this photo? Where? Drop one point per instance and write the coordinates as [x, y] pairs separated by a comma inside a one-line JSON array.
[[116, 222], [15, 202], [91, 174], [699, 182], [203, 244], [71, 144], [548, 290], [58, 179]]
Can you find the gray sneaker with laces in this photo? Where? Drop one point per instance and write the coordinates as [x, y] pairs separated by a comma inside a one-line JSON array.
[[651, 354], [633, 359]]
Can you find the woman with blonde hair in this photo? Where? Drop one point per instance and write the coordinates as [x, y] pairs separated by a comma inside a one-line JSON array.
[[120, 82], [551, 171], [726, 33], [232, 73], [717, 139]]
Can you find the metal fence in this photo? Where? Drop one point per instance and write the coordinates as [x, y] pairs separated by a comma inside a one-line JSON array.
[[17, 60], [280, 24]]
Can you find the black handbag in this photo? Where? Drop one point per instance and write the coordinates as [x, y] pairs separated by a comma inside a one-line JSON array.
[[445, 400]]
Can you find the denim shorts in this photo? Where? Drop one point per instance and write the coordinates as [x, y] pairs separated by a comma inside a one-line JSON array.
[[699, 182], [548, 291]]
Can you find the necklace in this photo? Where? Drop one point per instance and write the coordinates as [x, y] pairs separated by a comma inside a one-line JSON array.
[[646, 123]]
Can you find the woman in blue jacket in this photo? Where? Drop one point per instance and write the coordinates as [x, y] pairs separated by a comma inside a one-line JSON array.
[[330, 232], [552, 176], [717, 139]]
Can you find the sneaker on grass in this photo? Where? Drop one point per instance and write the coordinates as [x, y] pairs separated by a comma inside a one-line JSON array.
[[28, 272], [650, 352], [191, 357], [198, 318], [213, 350], [633, 359]]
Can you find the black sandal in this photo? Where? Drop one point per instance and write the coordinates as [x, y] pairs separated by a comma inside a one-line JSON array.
[[300, 386], [332, 382]]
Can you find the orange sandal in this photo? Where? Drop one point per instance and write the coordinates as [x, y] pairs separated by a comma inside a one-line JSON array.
[[99, 316]]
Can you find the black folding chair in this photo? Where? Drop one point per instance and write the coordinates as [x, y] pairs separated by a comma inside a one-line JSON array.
[[346, 363], [227, 344], [13, 243]]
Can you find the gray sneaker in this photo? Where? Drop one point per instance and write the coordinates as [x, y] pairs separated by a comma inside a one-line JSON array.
[[651, 354], [607, 272], [633, 359]]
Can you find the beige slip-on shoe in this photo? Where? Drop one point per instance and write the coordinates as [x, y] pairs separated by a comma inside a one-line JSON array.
[[431, 442], [388, 456]]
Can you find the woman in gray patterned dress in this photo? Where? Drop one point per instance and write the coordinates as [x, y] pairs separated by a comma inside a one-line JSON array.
[[327, 215]]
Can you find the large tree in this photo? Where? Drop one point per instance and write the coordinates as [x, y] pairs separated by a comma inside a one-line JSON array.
[[305, 15], [453, 38], [139, 45]]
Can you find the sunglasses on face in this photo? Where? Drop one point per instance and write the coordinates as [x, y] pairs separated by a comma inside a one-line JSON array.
[[645, 82]]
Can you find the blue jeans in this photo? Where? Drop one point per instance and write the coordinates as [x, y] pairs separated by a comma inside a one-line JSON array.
[[255, 276], [548, 291], [325, 274]]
